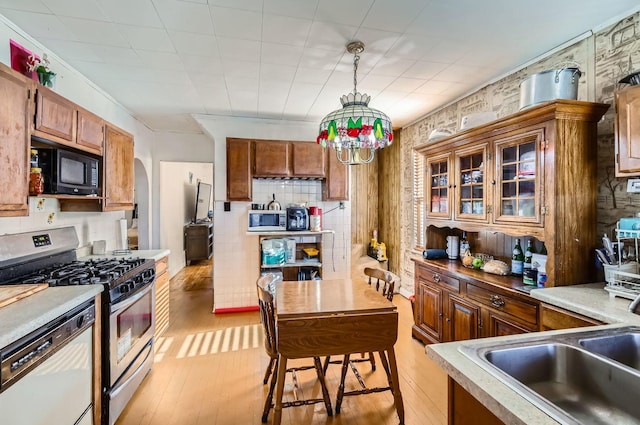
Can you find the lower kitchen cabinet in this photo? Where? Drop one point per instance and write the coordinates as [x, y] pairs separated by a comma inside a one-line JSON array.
[[465, 409], [454, 304], [162, 295], [461, 320], [552, 317]]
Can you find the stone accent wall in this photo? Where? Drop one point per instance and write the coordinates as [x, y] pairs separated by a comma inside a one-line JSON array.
[[604, 58]]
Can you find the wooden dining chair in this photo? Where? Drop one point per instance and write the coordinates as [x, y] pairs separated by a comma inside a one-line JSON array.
[[265, 286]]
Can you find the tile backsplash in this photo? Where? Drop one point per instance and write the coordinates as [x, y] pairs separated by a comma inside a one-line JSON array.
[[236, 255]]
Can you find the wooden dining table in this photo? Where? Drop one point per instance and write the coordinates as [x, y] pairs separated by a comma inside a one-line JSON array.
[[317, 318]]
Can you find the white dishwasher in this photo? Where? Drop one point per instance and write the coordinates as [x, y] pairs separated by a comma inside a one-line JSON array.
[[46, 377]]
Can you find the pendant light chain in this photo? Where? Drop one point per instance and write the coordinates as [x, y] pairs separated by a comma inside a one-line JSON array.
[[356, 59]]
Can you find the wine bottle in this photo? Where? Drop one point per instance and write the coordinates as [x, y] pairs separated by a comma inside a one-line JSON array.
[[464, 245], [517, 259], [528, 255]]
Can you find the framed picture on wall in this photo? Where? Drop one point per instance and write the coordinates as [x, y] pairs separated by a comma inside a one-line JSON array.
[[19, 56]]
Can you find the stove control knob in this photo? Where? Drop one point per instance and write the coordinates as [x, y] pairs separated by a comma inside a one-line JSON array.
[[80, 321], [124, 289]]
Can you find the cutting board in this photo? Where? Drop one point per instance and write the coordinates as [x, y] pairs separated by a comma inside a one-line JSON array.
[[13, 293]]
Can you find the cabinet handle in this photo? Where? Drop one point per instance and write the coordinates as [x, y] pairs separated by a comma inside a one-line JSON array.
[[436, 278], [440, 315], [448, 320], [493, 181], [496, 301]]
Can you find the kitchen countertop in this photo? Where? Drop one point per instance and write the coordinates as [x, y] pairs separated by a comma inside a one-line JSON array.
[[154, 254], [590, 300], [28, 314]]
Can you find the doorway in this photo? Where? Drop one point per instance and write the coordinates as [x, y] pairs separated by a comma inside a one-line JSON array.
[[178, 183]]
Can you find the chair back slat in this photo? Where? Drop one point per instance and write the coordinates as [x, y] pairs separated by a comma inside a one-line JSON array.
[[383, 279], [267, 312]]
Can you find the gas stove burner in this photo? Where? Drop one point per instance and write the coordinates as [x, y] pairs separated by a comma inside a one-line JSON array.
[[110, 272]]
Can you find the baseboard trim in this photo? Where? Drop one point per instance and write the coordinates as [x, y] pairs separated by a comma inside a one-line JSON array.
[[236, 309]]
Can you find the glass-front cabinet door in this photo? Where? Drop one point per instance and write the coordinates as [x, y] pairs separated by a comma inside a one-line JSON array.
[[519, 176], [439, 186], [470, 186]]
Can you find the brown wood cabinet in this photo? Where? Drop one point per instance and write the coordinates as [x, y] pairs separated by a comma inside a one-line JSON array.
[[239, 178], [55, 117], [335, 187], [62, 121], [90, 133], [552, 317], [30, 110], [248, 159], [162, 296], [198, 242], [628, 131], [118, 170], [454, 303], [15, 117], [271, 158], [465, 409], [308, 160], [517, 176]]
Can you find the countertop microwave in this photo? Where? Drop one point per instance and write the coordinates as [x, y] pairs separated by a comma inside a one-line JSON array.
[[267, 220], [67, 172]]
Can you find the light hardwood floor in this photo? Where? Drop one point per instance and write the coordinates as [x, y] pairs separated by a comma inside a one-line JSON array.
[[208, 370]]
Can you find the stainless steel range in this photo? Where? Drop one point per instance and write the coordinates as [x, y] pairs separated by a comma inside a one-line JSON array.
[[128, 306]]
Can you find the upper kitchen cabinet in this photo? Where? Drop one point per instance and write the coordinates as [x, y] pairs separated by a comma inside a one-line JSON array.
[[519, 171], [439, 186], [62, 121], [335, 187], [248, 159], [271, 159], [239, 179], [118, 169], [628, 132], [90, 132], [55, 117], [15, 117], [308, 160], [470, 184]]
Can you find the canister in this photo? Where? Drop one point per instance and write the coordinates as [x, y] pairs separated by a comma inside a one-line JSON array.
[[315, 219]]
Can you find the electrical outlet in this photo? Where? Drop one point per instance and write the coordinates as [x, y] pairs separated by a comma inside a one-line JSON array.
[[341, 205], [633, 186]]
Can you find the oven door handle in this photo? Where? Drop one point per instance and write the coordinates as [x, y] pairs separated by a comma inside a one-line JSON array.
[[126, 303]]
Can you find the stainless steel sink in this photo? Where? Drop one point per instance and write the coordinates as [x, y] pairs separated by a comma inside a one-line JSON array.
[[586, 377], [623, 348]]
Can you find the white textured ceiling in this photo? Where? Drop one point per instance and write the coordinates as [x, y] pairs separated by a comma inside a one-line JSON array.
[[286, 59]]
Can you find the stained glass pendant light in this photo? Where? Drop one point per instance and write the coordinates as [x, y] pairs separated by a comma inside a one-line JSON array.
[[355, 131]]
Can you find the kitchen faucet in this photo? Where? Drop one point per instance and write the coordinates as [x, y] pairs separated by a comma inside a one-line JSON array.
[[634, 304]]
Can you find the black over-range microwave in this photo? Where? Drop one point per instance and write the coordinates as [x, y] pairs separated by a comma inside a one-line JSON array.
[[67, 172]]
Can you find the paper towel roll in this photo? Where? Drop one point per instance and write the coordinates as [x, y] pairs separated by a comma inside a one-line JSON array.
[[124, 242]]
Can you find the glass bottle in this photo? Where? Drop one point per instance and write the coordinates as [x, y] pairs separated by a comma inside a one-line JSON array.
[[464, 245], [528, 255], [34, 158], [517, 259]]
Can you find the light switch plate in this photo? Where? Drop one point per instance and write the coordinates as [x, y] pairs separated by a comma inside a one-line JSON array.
[[633, 186]]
